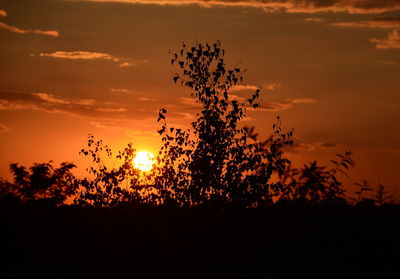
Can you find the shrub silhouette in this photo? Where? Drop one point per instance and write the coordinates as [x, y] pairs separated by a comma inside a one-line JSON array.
[[40, 182], [215, 161]]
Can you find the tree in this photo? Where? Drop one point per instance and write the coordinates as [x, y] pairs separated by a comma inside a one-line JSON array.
[[40, 182], [216, 161]]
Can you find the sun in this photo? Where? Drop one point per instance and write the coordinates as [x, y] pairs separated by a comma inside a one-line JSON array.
[[143, 161]]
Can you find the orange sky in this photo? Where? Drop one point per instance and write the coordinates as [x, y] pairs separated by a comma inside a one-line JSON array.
[[330, 69]]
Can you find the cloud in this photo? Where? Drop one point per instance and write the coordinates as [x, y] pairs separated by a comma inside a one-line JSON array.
[[125, 64], [244, 87], [17, 30], [120, 90], [133, 63], [49, 98], [85, 102], [189, 102], [290, 6], [145, 99], [281, 106], [83, 55], [3, 13], [185, 115], [391, 42], [49, 103], [302, 101], [3, 128], [112, 109], [314, 19], [271, 86], [89, 55], [301, 145], [383, 22], [236, 98]]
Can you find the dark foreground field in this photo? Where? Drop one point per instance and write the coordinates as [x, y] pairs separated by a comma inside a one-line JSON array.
[[288, 241]]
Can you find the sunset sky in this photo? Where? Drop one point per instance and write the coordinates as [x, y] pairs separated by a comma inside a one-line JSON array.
[[329, 68]]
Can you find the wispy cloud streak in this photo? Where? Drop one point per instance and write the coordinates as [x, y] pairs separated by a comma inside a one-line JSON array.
[[83, 55], [391, 42], [384, 22], [281, 106], [49, 103], [291, 6], [18, 30], [89, 55]]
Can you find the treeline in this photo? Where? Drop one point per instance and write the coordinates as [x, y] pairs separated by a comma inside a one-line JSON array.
[[216, 162]]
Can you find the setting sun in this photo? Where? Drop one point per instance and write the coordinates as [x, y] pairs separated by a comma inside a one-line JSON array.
[[143, 161]]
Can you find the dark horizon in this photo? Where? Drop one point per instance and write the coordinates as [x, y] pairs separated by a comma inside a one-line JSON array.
[[330, 70]]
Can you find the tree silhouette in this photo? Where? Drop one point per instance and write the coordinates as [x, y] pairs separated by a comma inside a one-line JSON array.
[[215, 161], [41, 182]]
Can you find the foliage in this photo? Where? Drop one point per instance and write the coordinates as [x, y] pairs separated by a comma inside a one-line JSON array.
[[382, 197], [40, 182], [379, 198], [317, 183], [362, 188], [110, 185], [215, 161]]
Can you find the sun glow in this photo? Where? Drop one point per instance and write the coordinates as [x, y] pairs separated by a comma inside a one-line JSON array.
[[143, 161]]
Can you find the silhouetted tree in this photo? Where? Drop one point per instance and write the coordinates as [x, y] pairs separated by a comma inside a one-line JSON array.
[[214, 161], [40, 182]]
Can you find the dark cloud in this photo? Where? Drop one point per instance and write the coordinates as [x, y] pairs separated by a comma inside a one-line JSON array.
[[327, 144]]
